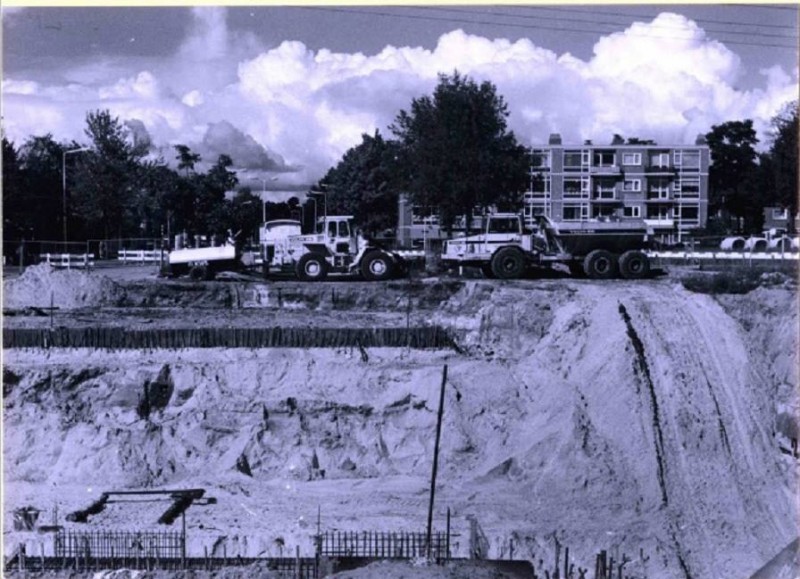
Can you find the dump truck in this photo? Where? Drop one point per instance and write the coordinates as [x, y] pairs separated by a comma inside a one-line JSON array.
[[335, 247], [598, 249]]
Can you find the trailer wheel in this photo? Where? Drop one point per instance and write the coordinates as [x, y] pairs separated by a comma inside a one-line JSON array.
[[508, 263], [634, 265], [600, 264], [377, 266], [486, 270], [312, 267], [201, 273]]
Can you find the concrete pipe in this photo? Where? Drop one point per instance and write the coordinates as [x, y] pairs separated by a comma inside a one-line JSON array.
[[732, 244], [780, 244], [756, 244]]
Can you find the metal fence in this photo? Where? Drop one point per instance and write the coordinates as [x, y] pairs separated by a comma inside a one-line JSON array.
[[120, 544], [382, 544], [427, 337]]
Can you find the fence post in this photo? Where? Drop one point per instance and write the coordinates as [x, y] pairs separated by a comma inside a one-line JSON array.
[[297, 567]]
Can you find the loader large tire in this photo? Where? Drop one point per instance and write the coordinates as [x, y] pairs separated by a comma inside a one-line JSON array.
[[600, 264], [312, 267], [377, 266], [508, 263], [634, 265]]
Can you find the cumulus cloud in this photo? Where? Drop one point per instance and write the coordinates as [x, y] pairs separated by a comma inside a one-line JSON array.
[[295, 110], [224, 139], [139, 134]]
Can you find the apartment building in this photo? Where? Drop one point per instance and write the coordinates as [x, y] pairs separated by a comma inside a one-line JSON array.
[[625, 181]]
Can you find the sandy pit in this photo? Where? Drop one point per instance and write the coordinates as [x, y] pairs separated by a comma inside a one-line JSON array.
[[635, 417]]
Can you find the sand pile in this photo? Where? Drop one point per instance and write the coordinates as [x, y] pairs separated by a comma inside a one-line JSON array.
[[43, 285], [620, 415]]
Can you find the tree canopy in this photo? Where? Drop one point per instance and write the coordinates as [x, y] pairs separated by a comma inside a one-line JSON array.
[[365, 184], [783, 155], [733, 175], [455, 150]]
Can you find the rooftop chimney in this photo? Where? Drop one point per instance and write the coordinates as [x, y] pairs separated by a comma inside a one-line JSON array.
[[555, 139], [700, 140]]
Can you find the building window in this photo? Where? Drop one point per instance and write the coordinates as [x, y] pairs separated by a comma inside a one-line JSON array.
[[687, 160], [631, 158], [575, 212], [576, 187], [632, 211], [632, 185], [687, 187], [659, 160], [690, 214], [658, 189], [778, 213], [604, 189], [574, 160], [604, 159], [660, 212], [424, 215], [540, 159], [602, 211], [540, 185]]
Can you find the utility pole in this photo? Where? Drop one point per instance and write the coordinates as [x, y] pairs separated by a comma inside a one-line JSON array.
[[436, 460]]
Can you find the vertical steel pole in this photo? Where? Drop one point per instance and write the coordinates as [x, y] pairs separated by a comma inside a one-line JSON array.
[[436, 458]]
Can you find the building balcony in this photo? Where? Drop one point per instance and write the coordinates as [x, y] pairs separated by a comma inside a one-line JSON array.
[[606, 170], [661, 171]]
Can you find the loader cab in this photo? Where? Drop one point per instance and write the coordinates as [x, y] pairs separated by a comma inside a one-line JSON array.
[[504, 223], [339, 233]]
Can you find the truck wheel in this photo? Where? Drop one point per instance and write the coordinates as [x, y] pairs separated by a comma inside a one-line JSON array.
[[486, 270], [600, 264], [377, 266], [508, 263], [634, 265], [312, 267]]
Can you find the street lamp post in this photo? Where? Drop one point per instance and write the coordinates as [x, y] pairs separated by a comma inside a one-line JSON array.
[[64, 186], [264, 195]]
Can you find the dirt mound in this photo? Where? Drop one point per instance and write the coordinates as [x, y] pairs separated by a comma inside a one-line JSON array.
[[41, 285], [422, 570], [609, 416]]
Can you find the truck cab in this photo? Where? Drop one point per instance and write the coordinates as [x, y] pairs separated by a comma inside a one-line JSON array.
[[500, 230], [336, 246]]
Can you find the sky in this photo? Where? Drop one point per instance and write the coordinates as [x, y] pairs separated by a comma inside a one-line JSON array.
[[286, 91]]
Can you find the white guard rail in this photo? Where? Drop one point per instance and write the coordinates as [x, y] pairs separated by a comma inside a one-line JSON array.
[[726, 255], [139, 255], [68, 260]]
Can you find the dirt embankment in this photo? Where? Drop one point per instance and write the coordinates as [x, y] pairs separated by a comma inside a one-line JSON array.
[[618, 415]]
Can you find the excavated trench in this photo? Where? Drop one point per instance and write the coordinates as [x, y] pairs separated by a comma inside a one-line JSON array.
[[635, 417]]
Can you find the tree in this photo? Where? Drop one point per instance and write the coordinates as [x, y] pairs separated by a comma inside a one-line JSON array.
[[16, 214], [783, 157], [364, 184], [245, 215], [734, 171], [41, 187], [186, 159], [456, 152], [105, 187], [211, 211]]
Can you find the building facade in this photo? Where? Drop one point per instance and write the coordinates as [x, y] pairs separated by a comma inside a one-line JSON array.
[[625, 181]]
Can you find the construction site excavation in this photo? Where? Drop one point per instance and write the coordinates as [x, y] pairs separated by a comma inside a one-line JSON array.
[[423, 426]]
